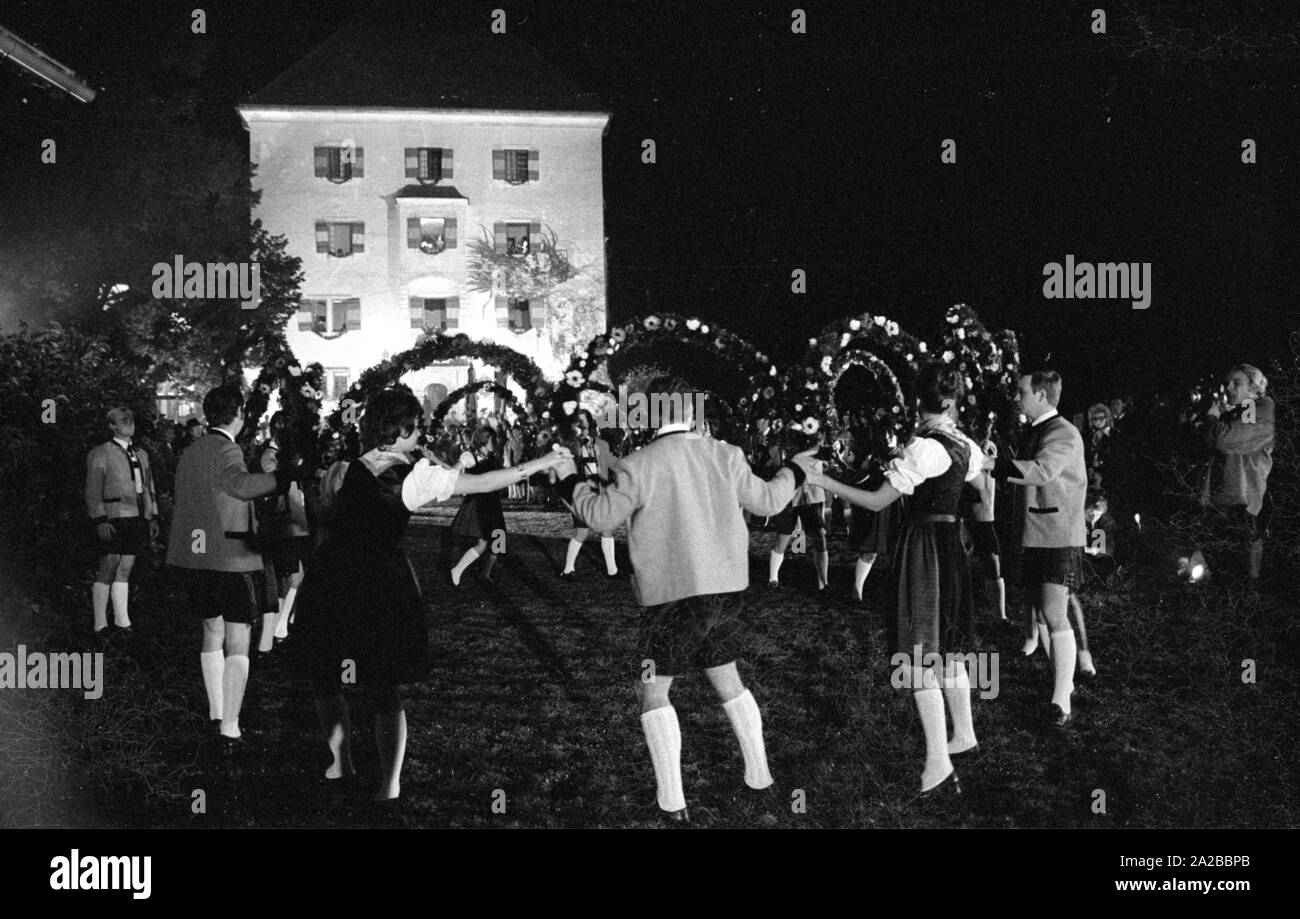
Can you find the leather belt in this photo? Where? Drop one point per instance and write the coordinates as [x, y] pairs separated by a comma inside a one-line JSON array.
[[935, 518]]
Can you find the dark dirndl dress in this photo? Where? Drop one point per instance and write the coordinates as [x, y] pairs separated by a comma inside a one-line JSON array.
[[360, 599], [480, 515], [935, 603], [873, 531]]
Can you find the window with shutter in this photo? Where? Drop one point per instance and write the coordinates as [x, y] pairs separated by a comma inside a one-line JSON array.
[[358, 237], [352, 313], [451, 232], [411, 160], [518, 241], [520, 316], [447, 164], [322, 158], [498, 164], [322, 236], [412, 232], [433, 235], [499, 238], [452, 307], [310, 312], [537, 315], [339, 316], [430, 164], [516, 166], [359, 163], [533, 171], [417, 312], [534, 235], [340, 239]]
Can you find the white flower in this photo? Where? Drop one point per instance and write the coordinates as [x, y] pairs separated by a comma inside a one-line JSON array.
[[880, 320], [546, 413], [969, 384], [574, 378], [810, 385], [652, 322], [921, 347], [772, 372], [582, 355], [768, 392], [618, 335], [961, 334], [812, 343], [670, 323], [891, 327], [692, 324], [295, 370], [798, 407], [265, 388], [826, 365], [569, 407], [307, 391], [704, 329], [952, 318], [844, 339], [948, 356], [810, 425], [908, 356], [855, 324]]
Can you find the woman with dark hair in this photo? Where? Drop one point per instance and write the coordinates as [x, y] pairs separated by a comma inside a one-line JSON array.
[[285, 535], [593, 458], [480, 516], [935, 611], [360, 612], [1240, 428]]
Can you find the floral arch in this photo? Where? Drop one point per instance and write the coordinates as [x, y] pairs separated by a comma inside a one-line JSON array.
[[456, 395], [300, 396], [757, 380], [990, 362], [432, 350]]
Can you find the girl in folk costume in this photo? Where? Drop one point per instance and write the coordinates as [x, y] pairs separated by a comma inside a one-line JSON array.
[[361, 615], [285, 535], [805, 512], [870, 533], [979, 502], [1240, 428], [593, 458], [935, 613], [480, 517]]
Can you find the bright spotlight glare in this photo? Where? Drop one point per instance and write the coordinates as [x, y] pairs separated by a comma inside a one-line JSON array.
[[1197, 571]]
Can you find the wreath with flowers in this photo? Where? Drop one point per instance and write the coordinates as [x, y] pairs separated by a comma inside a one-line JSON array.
[[300, 393], [456, 395], [730, 353], [990, 364], [436, 349], [873, 342]]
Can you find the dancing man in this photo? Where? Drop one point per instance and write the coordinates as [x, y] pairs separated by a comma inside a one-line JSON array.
[[212, 528], [123, 508], [1054, 487], [682, 497]]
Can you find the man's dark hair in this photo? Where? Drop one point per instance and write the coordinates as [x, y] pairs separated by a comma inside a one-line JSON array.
[[936, 384], [389, 415], [221, 405], [678, 395], [1046, 381]]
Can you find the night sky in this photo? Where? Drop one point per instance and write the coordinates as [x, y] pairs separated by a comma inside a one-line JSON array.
[[822, 151]]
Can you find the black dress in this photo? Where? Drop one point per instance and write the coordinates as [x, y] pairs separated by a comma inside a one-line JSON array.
[[935, 604], [360, 599], [480, 515]]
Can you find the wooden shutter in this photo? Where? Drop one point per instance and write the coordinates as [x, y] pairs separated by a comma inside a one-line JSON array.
[[339, 319], [412, 232], [537, 313], [446, 164], [352, 312], [322, 236], [358, 237], [412, 157], [532, 166], [449, 232], [306, 315], [498, 164], [499, 238], [358, 163], [503, 312], [453, 312], [417, 312], [322, 156], [534, 236]]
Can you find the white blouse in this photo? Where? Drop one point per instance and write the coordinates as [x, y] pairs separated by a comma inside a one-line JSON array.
[[426, 483], [924, 458]]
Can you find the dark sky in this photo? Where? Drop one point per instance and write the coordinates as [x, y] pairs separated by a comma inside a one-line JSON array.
[[822, 151]]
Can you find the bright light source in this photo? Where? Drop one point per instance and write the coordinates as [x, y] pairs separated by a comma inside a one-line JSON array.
[[1197, 572]]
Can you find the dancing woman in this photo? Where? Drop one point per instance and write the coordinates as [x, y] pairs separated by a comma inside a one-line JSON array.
[[935, 612], [594, 459], [480, 516], [360, 611]]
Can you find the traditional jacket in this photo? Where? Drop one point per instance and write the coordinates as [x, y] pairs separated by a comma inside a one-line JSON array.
[[1246, 455], [213, 520], [1054, 484], [111, 487]]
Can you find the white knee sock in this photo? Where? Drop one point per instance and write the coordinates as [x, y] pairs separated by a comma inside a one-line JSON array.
[[607, 548], [286, 607], [235, 679], [1085, 663], [266, 638], [571, 556], [466, 560], [120, 592], [823, 561], [213, 665], [663, 735], [774, 564], [99, 603], [747, 722], [929, 704], [1063, 658], [956, 690], [861, 568]]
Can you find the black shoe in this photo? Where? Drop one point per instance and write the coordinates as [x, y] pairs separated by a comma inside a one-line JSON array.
[[681, 818], [123, 632], [773, 585], [230, 748], [568, 575], [100, 638], [972, 752], [1060, 719], [616, 576], [951, 786]]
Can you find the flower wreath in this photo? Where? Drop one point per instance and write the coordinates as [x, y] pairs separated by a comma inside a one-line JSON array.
[[432, 350], [300, 393], [733, 353], [456, 395], [990, 365]]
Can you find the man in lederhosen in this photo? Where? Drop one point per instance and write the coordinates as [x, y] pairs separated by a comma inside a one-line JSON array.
[[1054, 487], [123, 508], [212, 543]]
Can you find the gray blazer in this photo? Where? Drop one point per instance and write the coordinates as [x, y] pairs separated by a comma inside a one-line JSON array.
[[214, 492], [1054, 486]]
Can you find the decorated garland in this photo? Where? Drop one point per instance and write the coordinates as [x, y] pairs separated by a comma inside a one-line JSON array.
[[990, 363], [730, 353], [456, 395], [432, 350], [300, 396]]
